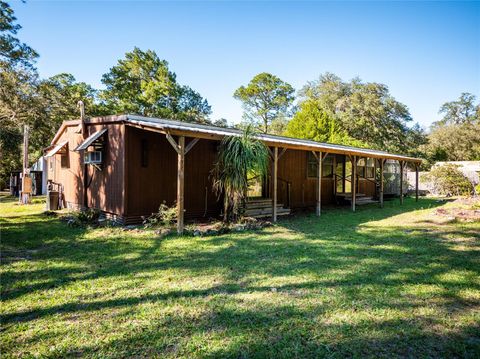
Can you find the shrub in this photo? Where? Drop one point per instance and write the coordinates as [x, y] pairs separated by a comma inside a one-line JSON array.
[[449, 180], [166, 216], [238, 157], [89, 216]]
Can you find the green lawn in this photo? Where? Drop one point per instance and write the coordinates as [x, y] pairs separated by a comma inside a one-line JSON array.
[[398, 282]]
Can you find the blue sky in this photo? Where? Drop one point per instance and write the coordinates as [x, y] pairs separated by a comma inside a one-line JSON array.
[[427, 53]]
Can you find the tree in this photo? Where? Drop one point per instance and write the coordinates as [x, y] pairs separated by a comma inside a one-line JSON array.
[[460, 111], [314, 123], [365, 111], [238, 156], [453, 143], [191, 106], [265, 99], [456, 137], [40, 104], [142, 83], [12, 50], [58, 97], [221, 122]]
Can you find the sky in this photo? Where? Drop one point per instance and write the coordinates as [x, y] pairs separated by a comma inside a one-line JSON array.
[[427, 53]]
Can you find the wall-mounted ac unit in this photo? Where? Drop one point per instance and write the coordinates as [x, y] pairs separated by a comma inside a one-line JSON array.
[[93, 157]]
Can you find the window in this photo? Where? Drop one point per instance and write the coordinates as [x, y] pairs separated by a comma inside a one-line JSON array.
[[361, 167], [50, 163], [144, 153], [348, 177], [327, 166], [312, 166], [370, 168], [64, 160], [340, 174]]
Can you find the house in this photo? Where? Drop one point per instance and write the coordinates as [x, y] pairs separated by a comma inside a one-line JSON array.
[[128, 165], [38, 174]]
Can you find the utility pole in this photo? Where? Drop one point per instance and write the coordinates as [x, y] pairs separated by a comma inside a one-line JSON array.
[[26, 180]]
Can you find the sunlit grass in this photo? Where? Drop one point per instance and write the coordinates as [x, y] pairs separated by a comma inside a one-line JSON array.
[[397, 282]]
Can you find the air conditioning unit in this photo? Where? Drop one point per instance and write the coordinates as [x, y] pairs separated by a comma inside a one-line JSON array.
[[93, 157]]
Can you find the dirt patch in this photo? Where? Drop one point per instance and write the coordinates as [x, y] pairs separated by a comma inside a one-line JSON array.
[[469, 210]]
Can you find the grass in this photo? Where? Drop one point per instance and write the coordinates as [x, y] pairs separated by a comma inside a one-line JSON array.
[[398, 282]]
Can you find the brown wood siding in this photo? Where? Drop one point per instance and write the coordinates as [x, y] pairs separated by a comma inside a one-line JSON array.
[[71, 176], [106, 186], [366, 187], [148, 187], [292, 167], [105, 191]]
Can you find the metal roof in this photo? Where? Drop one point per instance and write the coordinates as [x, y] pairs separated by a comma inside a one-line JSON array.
[[164, 124], [57, 148], [91, 139]]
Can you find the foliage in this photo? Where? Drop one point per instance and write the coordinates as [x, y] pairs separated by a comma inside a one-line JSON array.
[[86, 217], [368, 284], [366, 112], [42, 105], [448, 180], [312, 122], [238, 156], [265, 99], [12, 50], [166, 217], [453, 143], [456, 137], [221, 122], [142, 84], [462, 111]]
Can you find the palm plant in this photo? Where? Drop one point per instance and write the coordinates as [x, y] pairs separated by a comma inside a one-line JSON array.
[[238, 156]]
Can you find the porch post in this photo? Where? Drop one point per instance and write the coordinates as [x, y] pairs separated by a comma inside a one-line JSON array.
[[180, 184], [416, 182], [319, 184], [335, 177], [382, 163], [401, 182], [274, 175], [354, 182]]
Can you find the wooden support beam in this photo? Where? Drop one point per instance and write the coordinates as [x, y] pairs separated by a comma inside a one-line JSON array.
[[282, 153], [401, 181], [319, 184], [335, 177], [382, 164], [270, 151], [180, 184], [274, 178], [354, 181], [191, 144], [173, 143]]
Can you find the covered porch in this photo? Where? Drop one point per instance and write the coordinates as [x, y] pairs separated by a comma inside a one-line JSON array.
[[303, 173], [309, 179]]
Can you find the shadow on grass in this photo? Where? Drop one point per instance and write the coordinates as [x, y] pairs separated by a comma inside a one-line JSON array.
[[379, 264]]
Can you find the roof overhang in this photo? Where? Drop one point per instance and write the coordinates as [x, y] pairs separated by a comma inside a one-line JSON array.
[[90, 140], [212, 132], [56, 149], [218, 133]]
